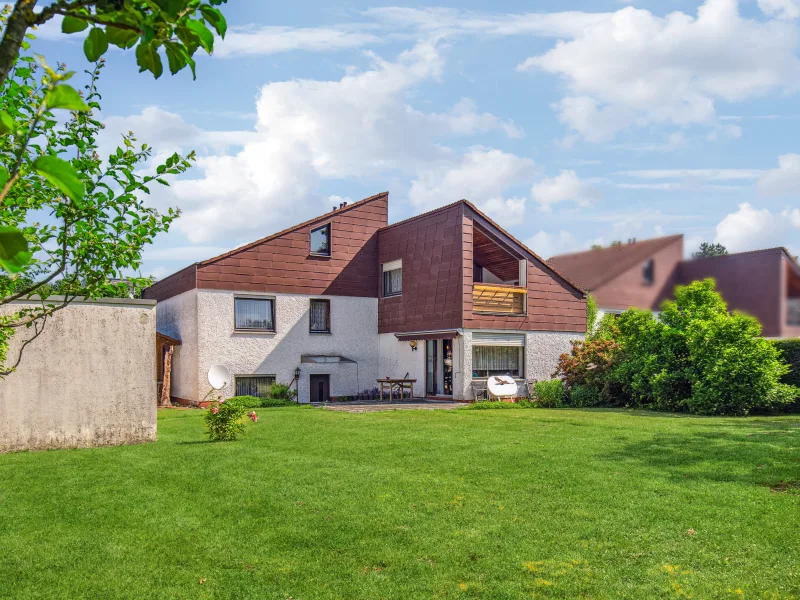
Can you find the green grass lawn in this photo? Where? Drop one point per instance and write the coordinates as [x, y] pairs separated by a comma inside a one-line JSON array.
[[434, 504]]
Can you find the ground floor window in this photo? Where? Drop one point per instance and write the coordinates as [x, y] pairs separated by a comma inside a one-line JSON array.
[[488, 361], [254, 385]]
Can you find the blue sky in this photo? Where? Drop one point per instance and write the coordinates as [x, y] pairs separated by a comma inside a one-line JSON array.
[[569, 122]]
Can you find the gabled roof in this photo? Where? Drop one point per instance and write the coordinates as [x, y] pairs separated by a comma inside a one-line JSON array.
[[273, 236], [522, 247], [593, 268]]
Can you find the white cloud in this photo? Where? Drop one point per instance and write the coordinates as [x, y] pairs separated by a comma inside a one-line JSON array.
[[750, 228], [633, 69], [551, 244], [254, 40], [782, 9], [564, 187], [784, 180], [481, 176], [694, 174], [360, 126], [186, 254]]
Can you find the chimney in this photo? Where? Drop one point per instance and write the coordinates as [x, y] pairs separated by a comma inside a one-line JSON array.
[[631, 241], [334, 209], [343, 204]]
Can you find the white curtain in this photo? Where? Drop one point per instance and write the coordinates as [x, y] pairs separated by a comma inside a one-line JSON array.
[[253, 313], [319, 315]]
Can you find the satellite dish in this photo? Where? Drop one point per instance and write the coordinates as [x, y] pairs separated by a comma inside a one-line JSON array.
[[502, 386], [218, 376]]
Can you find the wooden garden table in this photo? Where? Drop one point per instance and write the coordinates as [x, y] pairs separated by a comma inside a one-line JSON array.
[[401, 384]]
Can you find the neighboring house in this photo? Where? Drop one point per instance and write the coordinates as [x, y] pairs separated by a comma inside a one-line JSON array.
[[445, 297], [762, 283]]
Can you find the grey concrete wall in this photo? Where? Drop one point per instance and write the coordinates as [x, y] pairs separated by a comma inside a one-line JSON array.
[[88, 380]]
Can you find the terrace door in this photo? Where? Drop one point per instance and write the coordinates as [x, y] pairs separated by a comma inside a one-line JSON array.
[[431, 370], [439, 367]]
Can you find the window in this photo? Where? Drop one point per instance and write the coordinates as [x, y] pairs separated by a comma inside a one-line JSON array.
[[254, 385], [321, 240], [497, 360], [256, 314], [648, 272], [320, 316], [392, 278]]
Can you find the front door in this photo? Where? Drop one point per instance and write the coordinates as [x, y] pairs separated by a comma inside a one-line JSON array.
[[439, 367], [320, 388]]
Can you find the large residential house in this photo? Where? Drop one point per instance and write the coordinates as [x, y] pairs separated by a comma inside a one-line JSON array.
[[762, 283], [446, 298]]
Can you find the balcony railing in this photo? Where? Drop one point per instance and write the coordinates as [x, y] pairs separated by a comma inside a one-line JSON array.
[[499, 299], [793, 316]]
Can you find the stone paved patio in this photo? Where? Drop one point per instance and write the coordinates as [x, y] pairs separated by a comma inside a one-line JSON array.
[[377, 406]]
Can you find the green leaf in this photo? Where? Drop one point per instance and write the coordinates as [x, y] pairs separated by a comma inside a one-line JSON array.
[[214, 18], [121, 38], [95, 44], [203, 32], [61, 174], [175, 57], [3, 177], [7, 123], [14, 253], [65, 96], [148, 59], [73, 24]]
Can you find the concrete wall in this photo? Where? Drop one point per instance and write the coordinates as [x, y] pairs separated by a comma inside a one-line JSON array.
[[177, 318], [88, 380], [354, 335], [542, 349]]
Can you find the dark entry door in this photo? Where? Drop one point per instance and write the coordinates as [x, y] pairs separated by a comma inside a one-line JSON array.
[[431, 371], [320, 388], [447, 367]]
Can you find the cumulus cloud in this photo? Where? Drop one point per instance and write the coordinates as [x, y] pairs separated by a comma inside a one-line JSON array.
[[253, 40], [750, 228], [633, 69], [785, 180], [481, 176], [547, 244], [782, 9], [308, 131], [564, 187]]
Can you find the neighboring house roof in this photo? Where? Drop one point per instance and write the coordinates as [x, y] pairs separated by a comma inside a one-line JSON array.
[[593, 268], [560, 273], [273, 236]]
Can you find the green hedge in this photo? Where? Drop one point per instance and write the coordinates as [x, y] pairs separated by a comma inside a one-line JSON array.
[[791, 354]]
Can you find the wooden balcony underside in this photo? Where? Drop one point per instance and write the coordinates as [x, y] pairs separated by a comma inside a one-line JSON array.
[[502, 299]]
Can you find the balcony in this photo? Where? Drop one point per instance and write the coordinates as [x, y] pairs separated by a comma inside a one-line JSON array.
[[498, 299]]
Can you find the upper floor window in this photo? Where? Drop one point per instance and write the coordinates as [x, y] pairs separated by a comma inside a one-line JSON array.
[[255, 314], [393, 278], [320, 316], [321, 240], [648, 272]]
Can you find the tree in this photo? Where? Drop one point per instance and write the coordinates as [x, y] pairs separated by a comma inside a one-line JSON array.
[[710, 250], [591, 314], [180, 27], [97, 219]]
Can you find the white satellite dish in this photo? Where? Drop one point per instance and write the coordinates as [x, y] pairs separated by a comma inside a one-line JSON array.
[[502, 386], [218, 376]]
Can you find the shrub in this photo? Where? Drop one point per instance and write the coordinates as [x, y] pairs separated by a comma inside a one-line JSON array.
[[248, 401], [588, 363], [549, 394], [591, 314], [224, 419], [584, 396], [281, 391], [790, 350]]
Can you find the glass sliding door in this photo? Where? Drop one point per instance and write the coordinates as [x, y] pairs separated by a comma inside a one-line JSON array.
[[431, 372]]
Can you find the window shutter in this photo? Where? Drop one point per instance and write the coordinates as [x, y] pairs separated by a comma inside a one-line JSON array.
[[391, 266], [498, 339]]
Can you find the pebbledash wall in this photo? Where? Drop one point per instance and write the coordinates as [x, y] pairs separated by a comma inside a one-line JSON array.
[[354, 335], [88, 380]]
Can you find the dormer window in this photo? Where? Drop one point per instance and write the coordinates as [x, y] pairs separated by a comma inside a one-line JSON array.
[[321, 240], [648, 272]]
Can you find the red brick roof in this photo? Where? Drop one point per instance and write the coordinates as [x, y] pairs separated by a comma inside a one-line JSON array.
[[593, 268]]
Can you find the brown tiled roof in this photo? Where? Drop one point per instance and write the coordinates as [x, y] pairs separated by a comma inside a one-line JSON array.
[[273, 236], [593, 268]]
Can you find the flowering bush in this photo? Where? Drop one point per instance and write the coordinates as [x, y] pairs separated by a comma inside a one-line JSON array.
[[224, 420]]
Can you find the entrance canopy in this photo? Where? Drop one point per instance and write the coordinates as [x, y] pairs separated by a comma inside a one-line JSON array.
[[446, 334], [321, 359]]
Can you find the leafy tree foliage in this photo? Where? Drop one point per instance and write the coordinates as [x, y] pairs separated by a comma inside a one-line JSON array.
[[709, 250], [94, 218], [591, 313], [178, 27]]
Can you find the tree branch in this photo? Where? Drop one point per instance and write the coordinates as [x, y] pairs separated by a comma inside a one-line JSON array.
[[98, 21], [38, 329], [22, 17]]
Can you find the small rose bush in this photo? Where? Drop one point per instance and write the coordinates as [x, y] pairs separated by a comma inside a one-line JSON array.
[[225, 420]]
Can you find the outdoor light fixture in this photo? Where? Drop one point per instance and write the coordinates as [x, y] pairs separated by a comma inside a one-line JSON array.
[[413, 345], [297, 373]]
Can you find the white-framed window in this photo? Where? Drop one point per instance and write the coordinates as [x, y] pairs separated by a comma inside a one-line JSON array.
[[252, 313], [321, 240], [319, 316], [253, 385], [393, 278], [498, 354]]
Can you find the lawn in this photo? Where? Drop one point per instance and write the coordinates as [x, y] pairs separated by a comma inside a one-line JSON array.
[[435, 504]]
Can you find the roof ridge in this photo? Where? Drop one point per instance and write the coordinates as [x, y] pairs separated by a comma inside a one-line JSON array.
[[425, 214], [661, 239], [278, 234], [783, 248]]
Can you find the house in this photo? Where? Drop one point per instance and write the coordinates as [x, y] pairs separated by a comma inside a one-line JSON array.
[[345, 298], [762, 283]]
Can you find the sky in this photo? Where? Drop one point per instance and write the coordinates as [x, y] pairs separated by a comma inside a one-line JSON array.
[[569, 122]]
